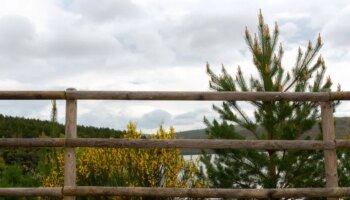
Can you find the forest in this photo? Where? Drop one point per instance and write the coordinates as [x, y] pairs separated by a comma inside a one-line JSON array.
[[34, 167], [21, 167]]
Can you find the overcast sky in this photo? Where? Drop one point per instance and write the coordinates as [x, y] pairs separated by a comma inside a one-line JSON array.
[[151, 45]]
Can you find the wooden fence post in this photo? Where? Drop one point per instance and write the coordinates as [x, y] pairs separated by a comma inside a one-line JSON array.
[[330, 156], [69, 152]]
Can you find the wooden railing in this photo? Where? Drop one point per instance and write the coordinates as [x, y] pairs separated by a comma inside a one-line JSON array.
[[70, 142]]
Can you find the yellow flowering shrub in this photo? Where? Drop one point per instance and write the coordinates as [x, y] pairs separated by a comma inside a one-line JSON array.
[[159, 167], [152, 167], [55, 177]]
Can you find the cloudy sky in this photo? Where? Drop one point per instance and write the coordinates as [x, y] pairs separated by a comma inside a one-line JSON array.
[[151, 45]]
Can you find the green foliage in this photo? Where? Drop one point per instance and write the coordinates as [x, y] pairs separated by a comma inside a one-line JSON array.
[[14, 176], [26, 167], [280, 120], [28, 158], [33, 128]]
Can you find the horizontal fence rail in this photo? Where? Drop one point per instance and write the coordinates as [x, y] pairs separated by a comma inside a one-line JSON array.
[[175, 143], [69, 190], [32, 192], [32, 95], [176, 192], [175, 95], [207, 193], [199, 96], [32, 142]]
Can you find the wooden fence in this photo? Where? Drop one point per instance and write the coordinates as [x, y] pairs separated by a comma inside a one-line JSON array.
[[70, 190]]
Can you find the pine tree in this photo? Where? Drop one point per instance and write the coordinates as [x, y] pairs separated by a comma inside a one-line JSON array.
[[53, 119], [279, 120]]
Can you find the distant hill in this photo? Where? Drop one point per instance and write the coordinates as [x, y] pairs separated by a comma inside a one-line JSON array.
[[342, 130]]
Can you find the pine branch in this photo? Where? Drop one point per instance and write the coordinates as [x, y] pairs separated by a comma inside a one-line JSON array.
[[248, 123], [296, 173], [306, 63]]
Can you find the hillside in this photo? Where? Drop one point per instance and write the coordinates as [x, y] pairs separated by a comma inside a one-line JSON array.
[[32, 128], [18, 164], [342, 129]]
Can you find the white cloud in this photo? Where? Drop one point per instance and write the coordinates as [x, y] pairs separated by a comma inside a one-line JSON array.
[[105, 10], [150, 45], [336, 31]]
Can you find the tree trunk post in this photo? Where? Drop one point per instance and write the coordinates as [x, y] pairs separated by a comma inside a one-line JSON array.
[[330, 156], [69, 152]]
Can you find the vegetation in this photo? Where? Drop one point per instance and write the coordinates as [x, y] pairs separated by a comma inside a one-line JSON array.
[[26, 167], [160, 167], [155, 167], [33, 167], [12, 127], [279, 120]]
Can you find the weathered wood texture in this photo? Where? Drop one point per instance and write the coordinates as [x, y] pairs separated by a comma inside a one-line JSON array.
[[200, 144], [31, 191], [175, 95], [343, 95], [17, 95], [207, 193], [199, 96], [69, 152], [174, 143], [32, 142], [177, 192], [329, 154]]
